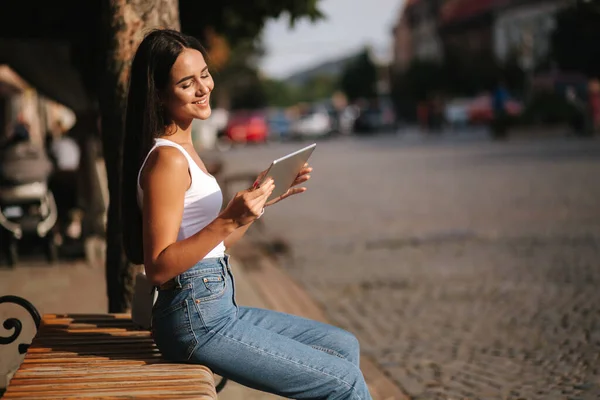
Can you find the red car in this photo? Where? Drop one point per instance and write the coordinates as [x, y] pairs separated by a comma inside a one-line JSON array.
[[244, 127], [480, 109]]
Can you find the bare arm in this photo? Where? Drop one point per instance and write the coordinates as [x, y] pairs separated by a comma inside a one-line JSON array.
[[165, 179]]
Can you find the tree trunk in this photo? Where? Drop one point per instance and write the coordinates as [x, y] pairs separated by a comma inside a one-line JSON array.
[[125, 23]]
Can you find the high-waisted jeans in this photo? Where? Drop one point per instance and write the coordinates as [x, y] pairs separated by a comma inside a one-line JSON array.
[[199, 322]]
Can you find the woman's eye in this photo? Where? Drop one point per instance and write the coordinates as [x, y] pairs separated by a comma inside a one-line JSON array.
[[187, 86], [205, 76]]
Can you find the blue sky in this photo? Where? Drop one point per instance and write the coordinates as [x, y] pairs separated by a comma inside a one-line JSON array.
[[349, 25]]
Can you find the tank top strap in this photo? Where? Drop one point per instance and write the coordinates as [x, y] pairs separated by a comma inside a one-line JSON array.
[[164, 142]]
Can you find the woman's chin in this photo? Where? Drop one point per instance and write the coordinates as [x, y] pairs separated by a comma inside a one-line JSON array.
[[204, 113]]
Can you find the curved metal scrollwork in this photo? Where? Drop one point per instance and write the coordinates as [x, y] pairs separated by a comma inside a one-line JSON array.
[[11, 323], [14, 323]]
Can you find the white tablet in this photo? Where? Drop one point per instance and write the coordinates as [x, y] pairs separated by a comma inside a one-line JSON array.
[[284, 170]]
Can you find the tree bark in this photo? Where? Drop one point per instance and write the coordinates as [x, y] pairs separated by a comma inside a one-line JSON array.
[[125, 22]]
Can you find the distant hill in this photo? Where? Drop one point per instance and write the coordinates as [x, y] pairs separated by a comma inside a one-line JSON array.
[[332, 67], [380, 54]]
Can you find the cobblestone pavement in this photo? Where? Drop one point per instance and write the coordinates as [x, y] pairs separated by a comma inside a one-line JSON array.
[[467, 268]]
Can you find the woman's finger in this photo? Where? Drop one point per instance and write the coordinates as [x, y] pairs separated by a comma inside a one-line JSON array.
[[287, 194], [293, 191], [259, 178], [261, 196], [301, 179], [260, 190], [305, 171]]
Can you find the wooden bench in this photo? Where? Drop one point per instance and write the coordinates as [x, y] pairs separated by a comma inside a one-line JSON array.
[[103, 356]]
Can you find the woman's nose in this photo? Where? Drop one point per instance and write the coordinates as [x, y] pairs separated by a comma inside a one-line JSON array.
[[202, 89]]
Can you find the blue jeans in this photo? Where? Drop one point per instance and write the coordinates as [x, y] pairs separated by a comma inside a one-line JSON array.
[[199, 322]]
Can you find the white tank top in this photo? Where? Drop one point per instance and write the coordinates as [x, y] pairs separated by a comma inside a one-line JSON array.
[[202, 202]]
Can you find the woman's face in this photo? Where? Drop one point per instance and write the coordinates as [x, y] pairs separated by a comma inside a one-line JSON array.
[[187, 94]]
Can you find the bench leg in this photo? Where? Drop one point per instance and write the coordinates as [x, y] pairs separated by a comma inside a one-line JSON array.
[[221, 385]]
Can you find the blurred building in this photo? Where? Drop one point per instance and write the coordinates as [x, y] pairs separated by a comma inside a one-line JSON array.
[[415, 35], [498, 29], [382, 58], [402, 40], [523, 30]]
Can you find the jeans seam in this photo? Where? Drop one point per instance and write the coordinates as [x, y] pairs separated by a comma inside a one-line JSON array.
[[191, 349], [287, 359], [328, 351]]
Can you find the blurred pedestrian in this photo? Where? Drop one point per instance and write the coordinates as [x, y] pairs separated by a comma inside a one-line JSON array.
[[578, 113], [65, 153], [499, 123], [423, 110]]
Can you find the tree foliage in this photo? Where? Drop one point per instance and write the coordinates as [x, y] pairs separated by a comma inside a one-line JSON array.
[[359, 78], [240, 20], [237, 81]]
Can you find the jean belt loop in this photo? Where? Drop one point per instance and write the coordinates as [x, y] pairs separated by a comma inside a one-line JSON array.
[[177, 281], [224, 262]]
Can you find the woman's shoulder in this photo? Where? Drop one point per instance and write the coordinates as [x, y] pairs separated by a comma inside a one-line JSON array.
[[165, 163], [167, 157]]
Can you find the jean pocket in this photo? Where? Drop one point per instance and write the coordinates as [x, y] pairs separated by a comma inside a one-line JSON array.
[[209, 286]]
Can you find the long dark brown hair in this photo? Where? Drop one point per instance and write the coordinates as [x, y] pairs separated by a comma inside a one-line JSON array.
[[145, 120]]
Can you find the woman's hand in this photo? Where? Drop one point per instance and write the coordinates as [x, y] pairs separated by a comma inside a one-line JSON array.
[[302, 177], [248, 205]]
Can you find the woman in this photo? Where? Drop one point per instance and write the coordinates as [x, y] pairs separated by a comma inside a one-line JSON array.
[[180, 235]]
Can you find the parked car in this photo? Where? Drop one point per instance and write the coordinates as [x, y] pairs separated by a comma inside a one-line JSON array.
[[316, 122], [347, 118], [280, 126], [247, 127], [456, 113], [481, 112], [376, 117]]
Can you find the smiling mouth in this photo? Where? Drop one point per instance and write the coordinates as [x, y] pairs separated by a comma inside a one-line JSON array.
[[201, 102]]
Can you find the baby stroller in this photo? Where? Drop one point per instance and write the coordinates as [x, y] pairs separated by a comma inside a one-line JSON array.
[[27, 207]]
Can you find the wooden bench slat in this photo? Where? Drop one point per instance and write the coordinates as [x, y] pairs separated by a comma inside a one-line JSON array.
[[140, 368], [103, 341], [99, 360], [76, 322], [81, 317], [115, 393], [78, 348], [88, 377], [153, 395], [104, 331], [103, 352], [125, 383]]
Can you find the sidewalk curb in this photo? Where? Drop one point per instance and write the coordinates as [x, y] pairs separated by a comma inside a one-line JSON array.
[[281, 293]]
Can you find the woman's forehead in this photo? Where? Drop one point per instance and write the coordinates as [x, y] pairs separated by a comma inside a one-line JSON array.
[[190, 61]]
